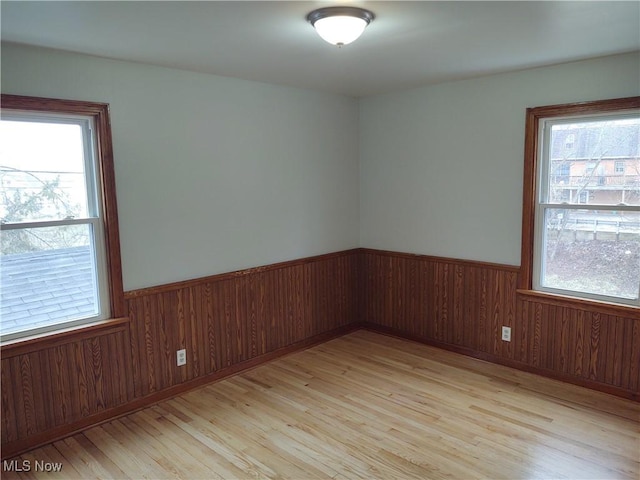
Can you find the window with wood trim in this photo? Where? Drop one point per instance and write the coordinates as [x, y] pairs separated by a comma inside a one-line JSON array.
[[581, 217], [60, 254]]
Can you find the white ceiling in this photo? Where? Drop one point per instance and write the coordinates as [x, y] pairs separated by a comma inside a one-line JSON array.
[[409, 43]]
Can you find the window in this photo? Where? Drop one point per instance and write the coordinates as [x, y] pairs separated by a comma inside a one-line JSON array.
[[59, 252], [583, 197], [619, 167], [569, 141], [588, 247], [561, 170], [590, 167]]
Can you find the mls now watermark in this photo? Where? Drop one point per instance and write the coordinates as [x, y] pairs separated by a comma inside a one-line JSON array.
[[28, 466]]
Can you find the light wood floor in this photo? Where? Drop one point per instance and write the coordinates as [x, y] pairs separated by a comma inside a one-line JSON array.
[[365, 406]]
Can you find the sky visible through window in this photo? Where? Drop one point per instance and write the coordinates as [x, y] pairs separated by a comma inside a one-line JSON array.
[[32, 153]]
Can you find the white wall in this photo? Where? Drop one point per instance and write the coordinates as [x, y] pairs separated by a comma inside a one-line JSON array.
[[216, 174], [441, 166], [213, 174]]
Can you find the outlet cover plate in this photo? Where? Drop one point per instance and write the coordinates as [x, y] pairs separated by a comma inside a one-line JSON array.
[[181, 357], [506, 334]]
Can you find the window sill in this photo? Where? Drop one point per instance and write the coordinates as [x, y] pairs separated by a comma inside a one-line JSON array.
[[35, 343], [579, 303]]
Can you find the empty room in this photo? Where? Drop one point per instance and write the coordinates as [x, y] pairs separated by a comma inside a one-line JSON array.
[[311, 240]]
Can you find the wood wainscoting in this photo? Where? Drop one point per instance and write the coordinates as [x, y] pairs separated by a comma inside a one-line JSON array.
[[226, 323], [462, 306], [227, 319], [49, 386], [234, 321]]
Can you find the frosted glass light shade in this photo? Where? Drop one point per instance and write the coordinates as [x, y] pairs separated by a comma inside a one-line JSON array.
[[340, 30], [340, 25]]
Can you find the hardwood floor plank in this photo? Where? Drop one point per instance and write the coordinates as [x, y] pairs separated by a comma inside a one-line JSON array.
[[125, 454], [365, 405], [83, 461]]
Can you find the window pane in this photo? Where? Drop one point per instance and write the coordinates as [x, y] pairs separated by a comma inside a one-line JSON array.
[[595, 162], [48, 276], [41, 171], [592, 252]]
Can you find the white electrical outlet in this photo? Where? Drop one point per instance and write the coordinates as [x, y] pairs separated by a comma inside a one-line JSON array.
[[506, 334], [181, 357]]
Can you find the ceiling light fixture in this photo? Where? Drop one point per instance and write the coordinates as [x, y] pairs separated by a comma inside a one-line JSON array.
[[340, 25]]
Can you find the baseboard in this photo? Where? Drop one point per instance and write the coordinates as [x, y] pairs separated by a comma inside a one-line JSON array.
[[610, 389], [19, 447]]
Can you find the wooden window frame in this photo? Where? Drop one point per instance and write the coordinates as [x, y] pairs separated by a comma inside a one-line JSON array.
[[530, 183], [99, 113]]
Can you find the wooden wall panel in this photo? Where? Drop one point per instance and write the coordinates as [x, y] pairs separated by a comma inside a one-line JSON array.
[[463, 305], [227, 320], [222, 321], [588, 345], [448, 301], [56, 386]]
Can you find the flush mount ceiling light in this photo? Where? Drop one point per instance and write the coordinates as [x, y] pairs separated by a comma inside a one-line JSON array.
[[340, 25]]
